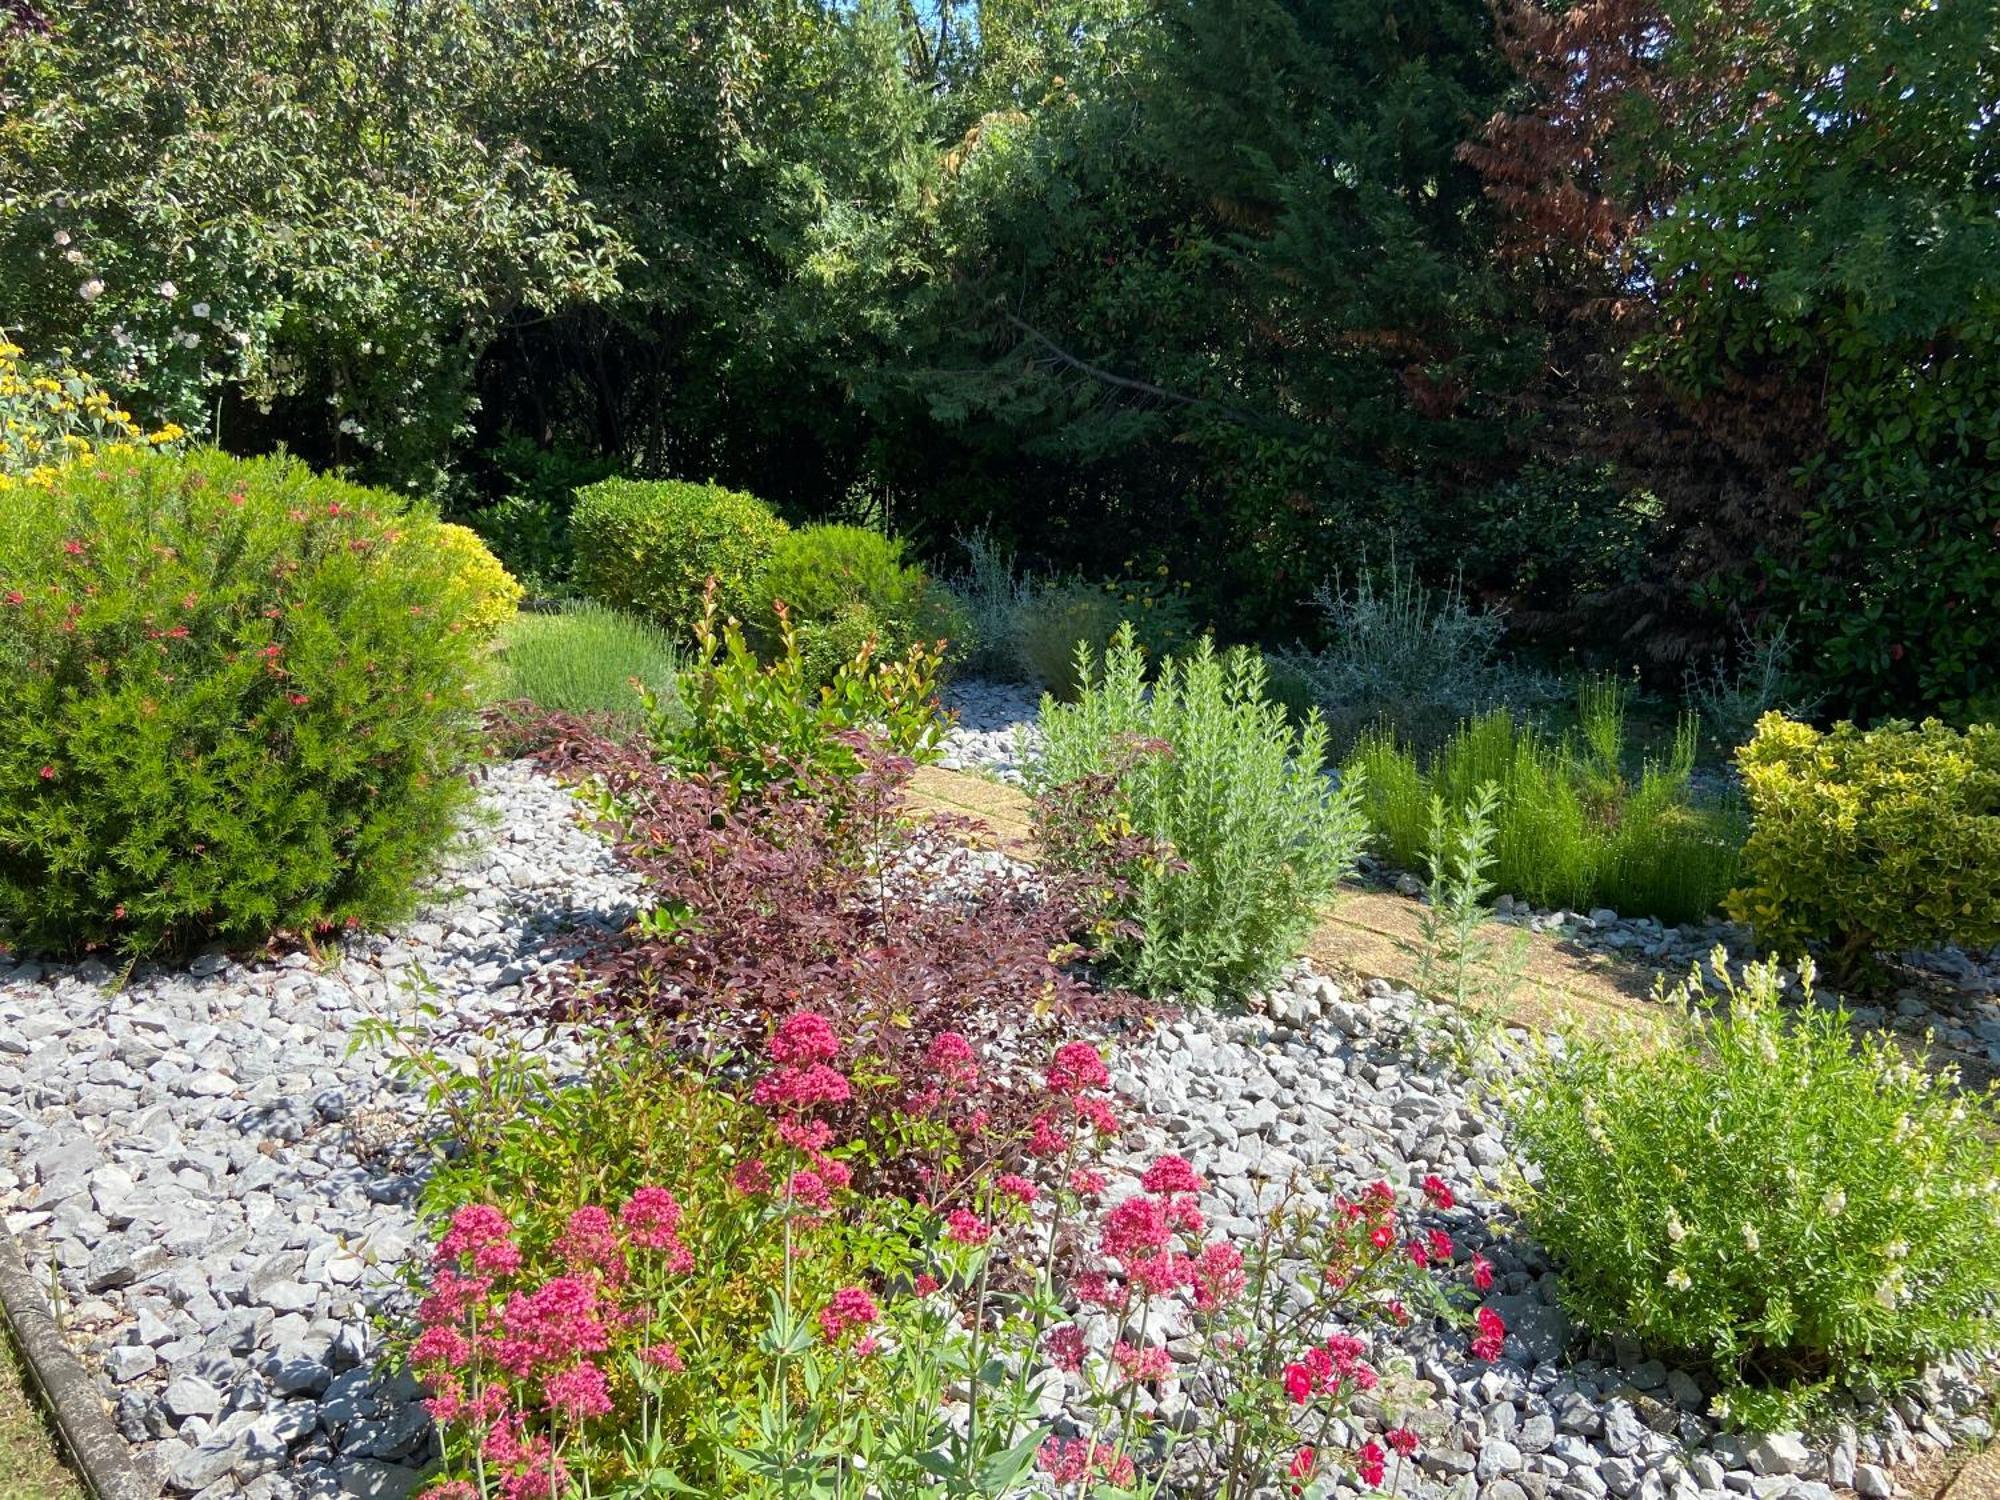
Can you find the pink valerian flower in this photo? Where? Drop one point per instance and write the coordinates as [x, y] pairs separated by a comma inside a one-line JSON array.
[[1482, 1273], [803, 1039], [1046, 1137], [1371, 1463], [1440, 1245], [1420, 1254], [666, 1356], [1402, 1440], [1298, 1382], [1487, 1343], [1086, 1182], [534, 1470], [441, 1346], [1135, 1228], [808, 1190], [965, 1227], [452, 1296], [549, 1326], [1218, 1276], [1172, 1174], [1301, 1468], [474, 1224], [1438, 1191], [951, 1058], [1073, 1460], [1013, 1185], [578, 1393], [848, 1309], [1065, 1346], [652, 1218], [801, 1088], [451, 1489], [1382, 1236], [809, 1136], [589, 1242], [1150, 1363], [1160, 1274], [1077, 1066], [1098, 1115], [751, 1178], [1099, 1290], [497, 1258], [926, 1284]]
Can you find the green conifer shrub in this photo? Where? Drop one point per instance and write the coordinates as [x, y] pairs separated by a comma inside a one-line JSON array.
[[239, 702]]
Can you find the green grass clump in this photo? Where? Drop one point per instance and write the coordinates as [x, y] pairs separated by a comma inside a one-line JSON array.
[[1571, 828], [590, 659]]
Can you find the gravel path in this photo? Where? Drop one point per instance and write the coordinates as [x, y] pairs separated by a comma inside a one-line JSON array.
[[225, 1192]]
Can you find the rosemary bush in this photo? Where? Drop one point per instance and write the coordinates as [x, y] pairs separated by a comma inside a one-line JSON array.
[[590, 659], [1411, 658], [1249, 836]]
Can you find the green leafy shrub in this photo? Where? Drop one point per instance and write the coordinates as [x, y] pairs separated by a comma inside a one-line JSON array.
[[842, 585], [492, 590], [528, 526], [1252, 838], [1060, 615], [1572, 830], [53, 412], [1870, 839], [588, 660], [1412, 658], [756, 723], [1792, 1207], [238, 703], [650, 547]]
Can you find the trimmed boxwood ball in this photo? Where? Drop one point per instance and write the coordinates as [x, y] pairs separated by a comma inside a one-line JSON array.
[[651, 545], [238, 700], [842, 585]]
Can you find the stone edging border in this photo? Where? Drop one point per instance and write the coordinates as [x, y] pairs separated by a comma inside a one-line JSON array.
[[102, 1457]]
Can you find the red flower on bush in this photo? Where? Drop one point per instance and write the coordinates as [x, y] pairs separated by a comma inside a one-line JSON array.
[[1371, 1463], [965, 1227], [1075, 1067], [1487, 1343], [1172, 1174], [804, 1038], [1073, 1460]]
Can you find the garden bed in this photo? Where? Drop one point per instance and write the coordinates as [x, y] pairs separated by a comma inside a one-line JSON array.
[[224, 1189]]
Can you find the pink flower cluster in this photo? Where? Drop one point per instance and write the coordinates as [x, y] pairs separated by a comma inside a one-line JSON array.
[[1077, 1111], [1323, 1369], [1074, 1460], [511, 1361]]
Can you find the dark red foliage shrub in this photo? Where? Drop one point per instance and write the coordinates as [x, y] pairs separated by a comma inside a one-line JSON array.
[[881, 920]]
